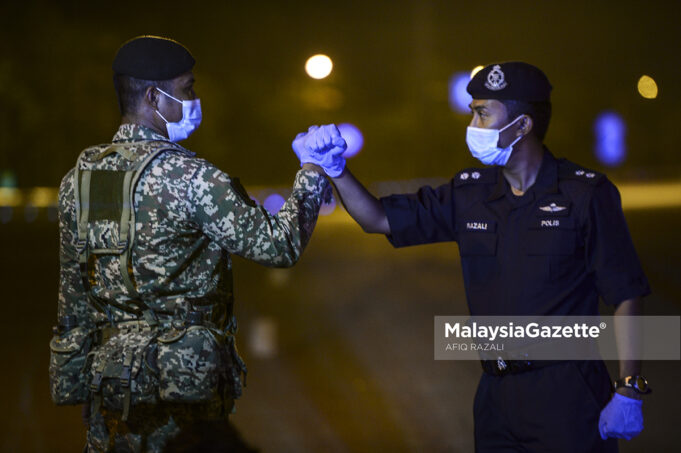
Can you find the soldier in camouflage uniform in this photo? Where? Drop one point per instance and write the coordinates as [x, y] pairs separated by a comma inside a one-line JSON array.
[[174, 272]]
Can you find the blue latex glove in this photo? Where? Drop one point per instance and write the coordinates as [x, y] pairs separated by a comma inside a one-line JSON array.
[[321, 146], [621, 418]]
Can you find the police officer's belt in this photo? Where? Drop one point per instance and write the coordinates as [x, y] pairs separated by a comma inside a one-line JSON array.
[[501, 367]]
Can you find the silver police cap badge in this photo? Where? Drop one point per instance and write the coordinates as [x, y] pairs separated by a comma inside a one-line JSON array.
[[553, 207], [496, 79]]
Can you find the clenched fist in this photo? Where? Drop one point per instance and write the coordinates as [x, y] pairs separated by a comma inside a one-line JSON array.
[[321, 146]]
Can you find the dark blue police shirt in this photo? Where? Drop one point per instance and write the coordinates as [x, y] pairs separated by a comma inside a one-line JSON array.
[[552, 251]]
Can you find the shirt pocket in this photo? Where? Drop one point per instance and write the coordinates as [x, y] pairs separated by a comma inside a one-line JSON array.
[[551, 236], [478, 238], [551, 245], [478, 249]]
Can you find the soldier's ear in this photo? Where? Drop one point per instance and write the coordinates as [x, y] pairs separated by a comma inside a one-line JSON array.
[[151, 97]]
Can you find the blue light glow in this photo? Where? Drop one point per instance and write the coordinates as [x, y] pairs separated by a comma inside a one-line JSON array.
[[459, 99], [273, 203], [353, 137], [610, 145]]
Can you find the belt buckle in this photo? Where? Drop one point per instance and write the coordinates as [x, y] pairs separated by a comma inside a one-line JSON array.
[[502, 366]]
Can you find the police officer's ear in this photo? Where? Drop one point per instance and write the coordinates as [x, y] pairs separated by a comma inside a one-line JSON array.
[[525, 125]]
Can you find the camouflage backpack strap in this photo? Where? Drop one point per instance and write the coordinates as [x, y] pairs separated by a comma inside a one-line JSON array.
[[127, 224], [125, 383], [81, 183], [126, 181], [81, 188], [96, 387]]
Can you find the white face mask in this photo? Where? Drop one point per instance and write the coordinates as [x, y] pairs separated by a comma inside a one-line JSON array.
[[483, 144], [191, 118]]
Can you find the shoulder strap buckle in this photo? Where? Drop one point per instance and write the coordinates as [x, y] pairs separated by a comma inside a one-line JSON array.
[[125, 375], [81, 244], [96, 383], [122, 244]]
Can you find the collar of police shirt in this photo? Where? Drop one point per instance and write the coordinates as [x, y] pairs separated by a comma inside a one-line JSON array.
[[546, 182]]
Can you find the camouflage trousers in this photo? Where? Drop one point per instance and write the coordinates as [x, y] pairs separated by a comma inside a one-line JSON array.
[[164, 428]]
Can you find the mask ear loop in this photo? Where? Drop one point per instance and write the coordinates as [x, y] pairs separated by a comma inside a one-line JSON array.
[[509, 125], [171, 97], [162, 117], [174, 98], [515, 141]]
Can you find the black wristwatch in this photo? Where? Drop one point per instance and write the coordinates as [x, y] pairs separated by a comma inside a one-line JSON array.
[[637, 382]]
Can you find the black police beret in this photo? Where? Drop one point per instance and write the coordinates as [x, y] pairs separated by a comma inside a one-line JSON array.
[[152, 58], [510, 81]]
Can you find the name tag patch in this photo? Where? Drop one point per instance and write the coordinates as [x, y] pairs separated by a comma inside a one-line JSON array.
[[476, 226], [479, 225]]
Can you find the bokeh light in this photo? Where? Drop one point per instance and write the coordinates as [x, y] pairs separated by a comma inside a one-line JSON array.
[[318, 66], [476, 70], [42, 197], [610, 132], [7, 179], [273, 203], [647, 87], [10, 197], [353, 137], [459, 99]]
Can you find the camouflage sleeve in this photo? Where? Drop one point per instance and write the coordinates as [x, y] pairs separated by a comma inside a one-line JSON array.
[[226, 214], [72, 299]]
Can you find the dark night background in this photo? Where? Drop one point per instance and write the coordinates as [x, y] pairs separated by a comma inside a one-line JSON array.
[[392, 63], [354, 368]]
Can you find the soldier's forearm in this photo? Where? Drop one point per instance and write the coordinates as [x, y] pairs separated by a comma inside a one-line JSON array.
[[313, 167]]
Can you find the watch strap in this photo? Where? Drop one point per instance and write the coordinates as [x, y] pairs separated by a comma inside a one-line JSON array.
[[637, 382]]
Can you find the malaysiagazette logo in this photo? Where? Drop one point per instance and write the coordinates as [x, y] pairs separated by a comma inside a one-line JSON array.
[[529, 330]]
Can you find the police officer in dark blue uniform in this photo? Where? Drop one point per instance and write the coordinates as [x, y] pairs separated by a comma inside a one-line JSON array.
[[537, 236]]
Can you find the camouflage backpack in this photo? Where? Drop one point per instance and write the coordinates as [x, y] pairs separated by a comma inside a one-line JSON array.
[[141, 356]]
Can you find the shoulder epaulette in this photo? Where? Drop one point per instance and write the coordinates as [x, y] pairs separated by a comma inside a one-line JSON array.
[[570, 170], [475, 176]]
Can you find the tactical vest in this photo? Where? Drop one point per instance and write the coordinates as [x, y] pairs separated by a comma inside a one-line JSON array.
[[142, 357]]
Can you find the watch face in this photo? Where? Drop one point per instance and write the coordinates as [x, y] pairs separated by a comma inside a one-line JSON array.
[[640, 384]]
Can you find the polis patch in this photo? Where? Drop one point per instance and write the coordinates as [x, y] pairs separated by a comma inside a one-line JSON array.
[[552, 223]]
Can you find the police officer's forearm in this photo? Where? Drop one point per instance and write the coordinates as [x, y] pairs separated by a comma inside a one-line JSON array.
[[366, 209], [628, 335]]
